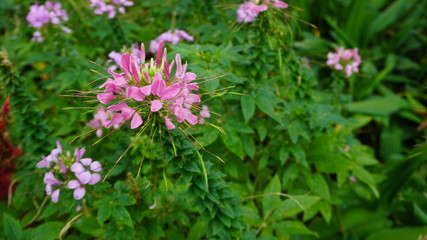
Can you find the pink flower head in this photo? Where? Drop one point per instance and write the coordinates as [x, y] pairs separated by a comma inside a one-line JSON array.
[[41, 15], [345, 59], [85, 171], [249, 10], [111, 7], [152, 87], [170, 36]]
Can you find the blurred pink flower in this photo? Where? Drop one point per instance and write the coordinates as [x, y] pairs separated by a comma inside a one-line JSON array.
[[171, 37], [250, 9], [111, 7], [345, 59]]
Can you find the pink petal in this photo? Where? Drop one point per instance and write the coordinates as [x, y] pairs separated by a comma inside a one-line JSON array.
[[118, 107], [105, 98], [48, 189], [135, 73], [86, 161], [94, 179], [156, 105], [158, 84], [178, 72], [116, 119], [125, 66], [188, 77], [50, 179], [96, 166], [73, 184], [84, 177], [136, 121], [55, 195], [79, 193], [191, 118], [127, 113], [146, 90], [168, 123], [159, 54], [170, 92], [135, 93], [77, 168]]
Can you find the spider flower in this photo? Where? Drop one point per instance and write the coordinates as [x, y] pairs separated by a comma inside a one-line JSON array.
[[41, 15], [249, 10], [170, 36], [347, 60], [111, 7], [152, 88], [72, 171]]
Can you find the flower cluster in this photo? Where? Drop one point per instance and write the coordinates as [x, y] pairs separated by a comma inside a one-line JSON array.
[[41, 15], [170, 36], [250, 9], [148, 88], [345, 59], [74, 172], [111, 8]]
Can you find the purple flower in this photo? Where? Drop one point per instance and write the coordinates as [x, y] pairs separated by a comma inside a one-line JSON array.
[[170, 36], [84, 169], [249, 10], [102, 7], [38, 16], [345, 59], [84, 173]]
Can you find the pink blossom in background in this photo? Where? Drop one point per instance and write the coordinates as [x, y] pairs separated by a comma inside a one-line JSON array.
[[153, 87], [63, 169], [110, 7], [115, 57], [100, 119], [170, 37], [347, 60], [41, 15], [249, 10]]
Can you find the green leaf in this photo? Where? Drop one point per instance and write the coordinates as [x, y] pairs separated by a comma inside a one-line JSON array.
[[104, 212], [364, 176], [283, 154], [318, 184], [380, 106], [232, 141], [126, 200], [248, 106], [291, 207], [46, 231], [271, 201], [122, 215], [399, 233], [326, 210], [293, 228], [12, 228]]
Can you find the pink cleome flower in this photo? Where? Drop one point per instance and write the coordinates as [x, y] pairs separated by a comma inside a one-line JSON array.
[[248, 10], [59, 165], [151, 88], [345, 59], [111, 7], [41, 15], [170, 36]]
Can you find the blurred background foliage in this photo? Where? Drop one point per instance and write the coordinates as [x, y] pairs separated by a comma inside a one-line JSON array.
[[309, 153]]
